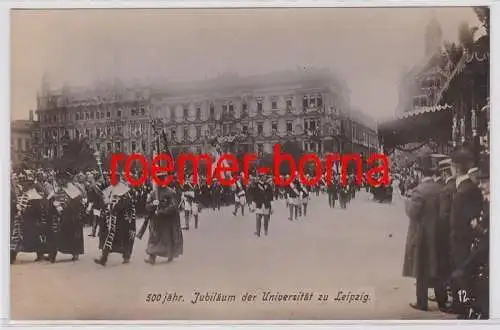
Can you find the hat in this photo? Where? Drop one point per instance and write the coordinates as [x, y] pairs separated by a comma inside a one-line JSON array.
[[444, 164], [462, 157], [473, 170], [484, 167], [424, 162]]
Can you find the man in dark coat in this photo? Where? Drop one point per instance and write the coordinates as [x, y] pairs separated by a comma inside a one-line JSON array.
[[422, 209], [443, 232], [466, 206], [165, 234]]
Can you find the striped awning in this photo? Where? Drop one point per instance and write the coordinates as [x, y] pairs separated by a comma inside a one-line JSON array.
[[418, 126], [423, 110]]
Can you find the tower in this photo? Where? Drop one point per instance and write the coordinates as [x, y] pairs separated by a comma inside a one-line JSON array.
[[433, 37]]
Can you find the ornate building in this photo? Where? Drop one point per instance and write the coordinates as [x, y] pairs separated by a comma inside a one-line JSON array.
[[249, 114]]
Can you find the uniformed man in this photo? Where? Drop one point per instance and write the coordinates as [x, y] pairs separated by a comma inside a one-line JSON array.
[[263, 204]]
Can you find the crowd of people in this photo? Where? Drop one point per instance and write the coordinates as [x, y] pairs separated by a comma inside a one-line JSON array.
[[50, 209], [447, 245]]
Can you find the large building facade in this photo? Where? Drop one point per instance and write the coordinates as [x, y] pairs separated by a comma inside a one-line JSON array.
[[249, 114], [22, 141]]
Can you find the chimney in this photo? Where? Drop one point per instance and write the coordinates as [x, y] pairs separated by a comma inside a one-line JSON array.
[[31, 116]]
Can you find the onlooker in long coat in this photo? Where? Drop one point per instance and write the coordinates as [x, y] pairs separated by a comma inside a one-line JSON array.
[[422, 209], [466, 206], [443, 233]]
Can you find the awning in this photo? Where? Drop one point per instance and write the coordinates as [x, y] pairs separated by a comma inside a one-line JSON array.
[[421, 125]]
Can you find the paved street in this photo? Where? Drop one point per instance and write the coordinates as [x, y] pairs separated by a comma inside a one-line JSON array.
[[359, 250]]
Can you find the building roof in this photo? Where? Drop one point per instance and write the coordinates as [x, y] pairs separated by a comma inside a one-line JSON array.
[[21, 125]]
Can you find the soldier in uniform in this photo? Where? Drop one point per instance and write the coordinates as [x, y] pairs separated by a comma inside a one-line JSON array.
[[293, 199], [304, 201], [118, 234], [240, 199], [165, 234], [189, 204], [263, 205]]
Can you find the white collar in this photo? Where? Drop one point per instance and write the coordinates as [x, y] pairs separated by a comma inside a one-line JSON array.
[[461, 179], [448, 179]]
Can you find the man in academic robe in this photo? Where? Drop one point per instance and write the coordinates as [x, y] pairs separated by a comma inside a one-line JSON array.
[[165, 234], [466, 206], [263, 204], [26, 228], [422, 209], [67, 215], [118, 234]]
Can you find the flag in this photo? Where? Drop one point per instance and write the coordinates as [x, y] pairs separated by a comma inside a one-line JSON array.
[[160, 145]]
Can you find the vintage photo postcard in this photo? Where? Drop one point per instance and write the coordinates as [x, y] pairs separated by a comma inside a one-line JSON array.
[[250, 164]]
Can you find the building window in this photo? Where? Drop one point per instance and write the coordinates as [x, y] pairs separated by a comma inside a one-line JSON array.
[[143, 145], [244, 106], [225, 129], [185, 112], [224, 108], [98, 131], [245, 129], [198, 132], [98, 146], [198, 113], [260, 128], [274, 125], [87, 115], [108, 130], [305, 102], [259, 106], [92, 115], [173, 133], [102, 114], [108, 147], [310, 125], [118, 146], [133, 146], [231, 107], [274, 105], [133, 112], [186, 132], [143, 109], [319, 101], [288, 104], [108, 114], [289, 126], [119, 113]]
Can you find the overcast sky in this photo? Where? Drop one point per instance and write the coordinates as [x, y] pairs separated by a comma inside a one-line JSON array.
[[368, 47]]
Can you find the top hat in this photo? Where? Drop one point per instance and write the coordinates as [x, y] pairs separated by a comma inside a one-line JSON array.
[[424, 162], [462, 156], [484, 167]]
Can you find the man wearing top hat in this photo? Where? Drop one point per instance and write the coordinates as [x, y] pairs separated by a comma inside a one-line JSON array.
[[466, 206], [422, 209], [165, 234]]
